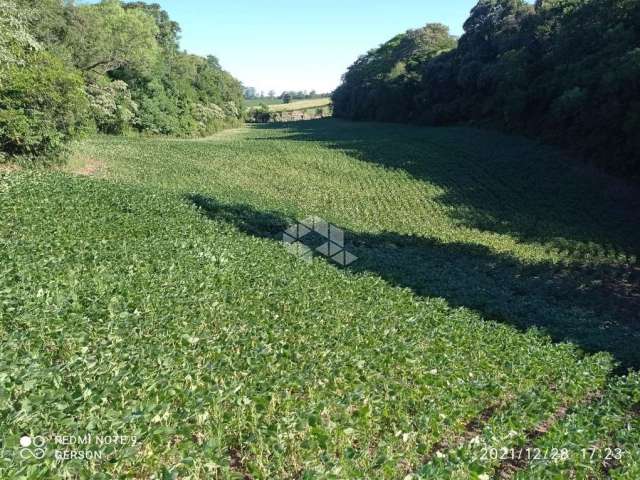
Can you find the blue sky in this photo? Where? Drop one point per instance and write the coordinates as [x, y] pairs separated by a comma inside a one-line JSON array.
[[298, 44]]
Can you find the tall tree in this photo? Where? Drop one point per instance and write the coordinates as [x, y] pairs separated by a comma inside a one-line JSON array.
[[106, 36]]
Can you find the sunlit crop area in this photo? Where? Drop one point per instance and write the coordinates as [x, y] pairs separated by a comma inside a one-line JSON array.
[[300, 105], [151, 297]]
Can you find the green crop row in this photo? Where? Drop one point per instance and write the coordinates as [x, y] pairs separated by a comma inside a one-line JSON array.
[[134, 313], [599, 440]]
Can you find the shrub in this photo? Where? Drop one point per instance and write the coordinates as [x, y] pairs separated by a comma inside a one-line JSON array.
[[231, 110], [261, 114], [111, 106], [42, 106], [209, 118]]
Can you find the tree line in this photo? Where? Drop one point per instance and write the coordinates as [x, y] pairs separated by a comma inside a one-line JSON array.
[[110, 67], [566, 71], [251, 93]]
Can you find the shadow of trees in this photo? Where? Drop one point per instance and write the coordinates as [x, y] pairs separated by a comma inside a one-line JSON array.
[[585, 306], [543, 196]]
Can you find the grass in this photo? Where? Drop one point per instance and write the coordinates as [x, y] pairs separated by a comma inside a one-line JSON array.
[[155, 301], [300, 105], [255, 102]]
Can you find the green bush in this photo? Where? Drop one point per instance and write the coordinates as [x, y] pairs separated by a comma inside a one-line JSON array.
[[111, 106], [42, 106], [209, 118], [261, 114]]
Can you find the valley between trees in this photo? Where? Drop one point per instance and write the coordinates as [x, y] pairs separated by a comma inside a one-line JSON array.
[[489, 328], [474, 327]]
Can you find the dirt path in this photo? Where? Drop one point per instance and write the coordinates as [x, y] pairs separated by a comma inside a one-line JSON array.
[[9, 167]]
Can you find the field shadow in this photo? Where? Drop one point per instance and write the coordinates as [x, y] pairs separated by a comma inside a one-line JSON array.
[[569, 303], [542, 196]]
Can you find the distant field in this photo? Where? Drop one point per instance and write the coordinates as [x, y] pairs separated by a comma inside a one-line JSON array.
[[151, 296], [257, 101], [301, 105]]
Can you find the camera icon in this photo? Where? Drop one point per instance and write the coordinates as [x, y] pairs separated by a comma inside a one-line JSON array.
[[32, 447]]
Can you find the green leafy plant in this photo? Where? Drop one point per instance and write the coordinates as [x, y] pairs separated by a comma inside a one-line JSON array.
[[42, 107], [111, 106]]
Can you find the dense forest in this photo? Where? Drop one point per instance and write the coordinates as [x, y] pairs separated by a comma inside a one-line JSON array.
[[566, 71], [110, 67]]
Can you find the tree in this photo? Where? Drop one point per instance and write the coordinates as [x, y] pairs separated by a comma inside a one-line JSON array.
[[565, 70], [106, 36], [114, 64], [213, 62], [381, 84], [286, 97], [168, 30], [16, 38], [111, 106]]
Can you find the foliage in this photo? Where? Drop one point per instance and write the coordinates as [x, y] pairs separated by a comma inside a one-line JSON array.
[[210, 118], [48, 22], [107, 36], [564, 70], [134, 75], [15, 38], [611, 416], [261, 114], [378, 85], [557, 257], [167, 29], [42, 107], [111, 106], [183, 92]]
